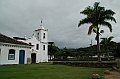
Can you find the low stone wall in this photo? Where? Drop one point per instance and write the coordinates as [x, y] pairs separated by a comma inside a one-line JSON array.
[[89, 64]]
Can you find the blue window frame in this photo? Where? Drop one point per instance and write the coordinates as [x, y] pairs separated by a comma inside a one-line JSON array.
[[11, 54]]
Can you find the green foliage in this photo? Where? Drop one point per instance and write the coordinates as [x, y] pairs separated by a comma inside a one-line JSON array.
[[53, 50], [88, 64], [60, 53], [87, 51], [108, 45], [66, 52], [117, 51], [97, 16]]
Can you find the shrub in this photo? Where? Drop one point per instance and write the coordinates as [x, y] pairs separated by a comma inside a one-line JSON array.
[[89, 64], [107, 72], [96, 76], [28, 60]]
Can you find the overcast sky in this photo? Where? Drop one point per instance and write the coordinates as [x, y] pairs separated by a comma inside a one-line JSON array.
[[60, 17]]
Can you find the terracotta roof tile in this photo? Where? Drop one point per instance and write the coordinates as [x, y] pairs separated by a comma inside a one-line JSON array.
[[6, 39]]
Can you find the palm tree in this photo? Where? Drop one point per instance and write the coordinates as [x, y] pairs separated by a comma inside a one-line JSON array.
[[108, 44], [97, 16]]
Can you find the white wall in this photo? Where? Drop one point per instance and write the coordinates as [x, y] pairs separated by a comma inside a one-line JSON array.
[[34, 41], [5, 51], [44, 41], [46, 36], [44, 53], [41, 55]]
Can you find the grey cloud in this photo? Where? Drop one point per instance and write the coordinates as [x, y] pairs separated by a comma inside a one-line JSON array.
[[60, 17]]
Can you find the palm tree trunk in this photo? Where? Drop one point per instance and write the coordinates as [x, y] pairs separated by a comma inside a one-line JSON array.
[[108, 56], [98, 46], [107, 53]]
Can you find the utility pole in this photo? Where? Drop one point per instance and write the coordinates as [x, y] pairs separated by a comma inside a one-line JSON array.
[[91, 43], [91, 46]]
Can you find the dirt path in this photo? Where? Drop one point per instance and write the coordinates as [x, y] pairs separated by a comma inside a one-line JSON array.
[[113, 75]]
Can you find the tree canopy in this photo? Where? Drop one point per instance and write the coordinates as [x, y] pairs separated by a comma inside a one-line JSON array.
[[97, 16]]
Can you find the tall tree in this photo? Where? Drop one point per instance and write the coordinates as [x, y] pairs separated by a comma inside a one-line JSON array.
[[52, 49], [97, 16], [108, 45], [66, 52]]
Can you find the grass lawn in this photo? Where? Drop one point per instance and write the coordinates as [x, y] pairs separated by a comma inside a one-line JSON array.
[[48, 71]]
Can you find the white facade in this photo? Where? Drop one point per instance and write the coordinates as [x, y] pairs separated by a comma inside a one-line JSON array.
[[8, 57], [39, 53], [31, 50]]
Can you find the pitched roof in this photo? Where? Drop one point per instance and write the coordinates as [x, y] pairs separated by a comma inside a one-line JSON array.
[[6, 39]]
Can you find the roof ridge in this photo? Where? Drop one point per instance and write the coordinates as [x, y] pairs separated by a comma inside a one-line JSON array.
[[6, 39]]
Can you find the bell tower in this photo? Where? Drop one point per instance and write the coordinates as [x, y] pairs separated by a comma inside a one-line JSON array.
[[41, 33]]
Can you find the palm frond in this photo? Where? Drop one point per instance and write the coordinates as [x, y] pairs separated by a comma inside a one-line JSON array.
[[109, 18], [101, 31], [95, 31], [107, 24], [97, 15], [83, 21], [87, 10], [104, 41], [109, 12], [90, 29], [107, 15], [102, 38], [110, 38], [96, 4]]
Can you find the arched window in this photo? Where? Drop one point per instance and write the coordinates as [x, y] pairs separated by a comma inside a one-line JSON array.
[[38, 35], [43, 47], [43, 35], [37, 46], [11, 54]]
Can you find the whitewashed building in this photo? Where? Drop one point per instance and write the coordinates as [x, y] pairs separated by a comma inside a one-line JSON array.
[[13, 51], [39, 53]]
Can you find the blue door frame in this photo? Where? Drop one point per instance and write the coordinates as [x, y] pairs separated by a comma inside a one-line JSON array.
[[21, 56]]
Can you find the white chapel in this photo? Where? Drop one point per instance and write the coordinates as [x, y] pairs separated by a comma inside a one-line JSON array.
[[39, 51]]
